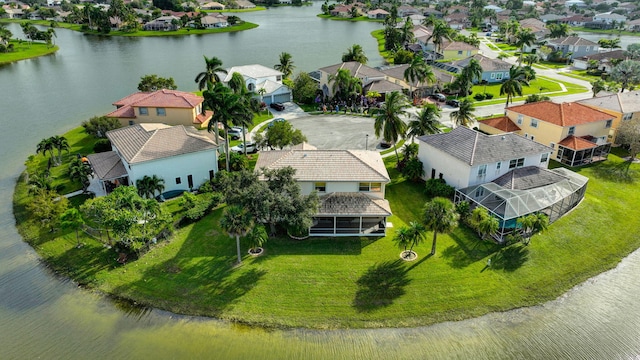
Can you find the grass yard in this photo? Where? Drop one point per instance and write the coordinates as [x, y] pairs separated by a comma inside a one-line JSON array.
[[386, 54], [582, 75], [357, 282], [24, 50]]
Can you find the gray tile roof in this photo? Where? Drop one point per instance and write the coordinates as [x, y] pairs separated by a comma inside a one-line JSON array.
[[626, 102], [609, 102], [353, 204], [145, 142], [526, 178], [327, 165], [357, 69], [107, 165], [486, 63], [571, 40], [475, 148], [630, 101]]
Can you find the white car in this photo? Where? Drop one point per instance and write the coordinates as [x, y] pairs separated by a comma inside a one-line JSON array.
[[251, 148], [235, 132]]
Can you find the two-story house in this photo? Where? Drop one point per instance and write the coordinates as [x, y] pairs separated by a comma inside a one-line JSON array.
[[577, 133], [623, 106], [180, 155], [350, 183], [573, 46], [372, 79], [261, 79], [465, 157], [169, 107]]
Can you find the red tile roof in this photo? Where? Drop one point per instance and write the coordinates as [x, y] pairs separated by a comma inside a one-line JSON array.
[[576, 143], [565, 114], [501, 123], [162, 98], [201, 118]]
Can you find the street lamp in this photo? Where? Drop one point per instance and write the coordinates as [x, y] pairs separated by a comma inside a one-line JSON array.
[[366, 142]]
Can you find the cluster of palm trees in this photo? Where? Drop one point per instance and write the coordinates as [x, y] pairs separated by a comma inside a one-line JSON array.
[[57, 143], [439, 216], [148, 185]]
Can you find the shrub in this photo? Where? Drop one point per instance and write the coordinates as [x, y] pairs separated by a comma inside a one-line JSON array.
[[197, 206], [464, 209], [438, 187], [479, 96], [99, 125], [102, 145], [488, 96]]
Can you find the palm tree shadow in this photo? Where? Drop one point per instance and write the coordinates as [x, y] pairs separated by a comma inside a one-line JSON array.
[[510, 258], [380, 286], [616, 172]]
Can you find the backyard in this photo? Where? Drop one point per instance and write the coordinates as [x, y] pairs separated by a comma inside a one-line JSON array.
[[357, 282]]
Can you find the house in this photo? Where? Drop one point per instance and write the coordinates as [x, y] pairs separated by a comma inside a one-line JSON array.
[[350, 183], [550, 18], [432, 12], [537, 27], [372, 79], [14, 13], [211, 21], [457, 21], [395, 74], [605, 60], [493, 70], [457, 50], [257, 78], [180, 155], [577, 133], [575, 20], [377, 14], [573, 46], [212, 6], [633, 25], [623, 106], [466, 157], [163, 23], [169, 107], [342, 11], [245, 4], [606, 20], [406, 10]]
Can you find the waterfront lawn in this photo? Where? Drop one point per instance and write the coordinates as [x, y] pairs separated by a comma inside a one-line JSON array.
[[386, 54], [24, 50], [360, 282]]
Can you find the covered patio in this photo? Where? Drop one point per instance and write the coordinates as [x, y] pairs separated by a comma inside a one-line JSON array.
[[350, 214], [109, 173], [578, 151]]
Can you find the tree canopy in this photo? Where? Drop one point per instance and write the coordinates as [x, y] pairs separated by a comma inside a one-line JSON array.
[[153, 82]]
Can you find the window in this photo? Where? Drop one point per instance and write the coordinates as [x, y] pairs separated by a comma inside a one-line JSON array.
[[278, 78], [178, 181], [190, 181], [493, 75], [433, 173], [320, 187], [608, 124], [627, 116], [131, 122], [516, 163], [572, 130], [526, 135], [544, 157], [498, 165], [552, 145], [532, 138], [588, 48], [482, 171], [499, 76], [371, 187], [143, 111], [534, 122], [251, 87], [211, 174], [520, 117], [161, 112]]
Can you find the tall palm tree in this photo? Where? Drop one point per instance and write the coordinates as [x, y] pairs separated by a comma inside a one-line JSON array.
[[558, 30], [524, 37], [426, 121], [418, 72], [44, 146], [473, 70], [148, 185], [207, 78], [60, 143], [531, 59], [529, 73], [416, 234], [513, 85], [80, 171], [286, 64], [388, 121], [439, 215], [464, 115], [344, 85], [355, 53], [597, 86], [245, 118], [441, 31], [236, 222]]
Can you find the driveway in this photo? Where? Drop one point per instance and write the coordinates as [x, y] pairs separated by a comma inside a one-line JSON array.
[[291, 111], [338, 132]]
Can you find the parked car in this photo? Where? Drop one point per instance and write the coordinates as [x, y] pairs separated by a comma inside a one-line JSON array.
[[385, 145], [277, 106], [276, 120], [453, 102], [251, 148], [438, 97], [235, 132]]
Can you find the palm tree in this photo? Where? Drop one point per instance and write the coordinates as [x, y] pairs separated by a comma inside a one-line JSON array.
[[355, 53], [558, 30], [416, 234], [236, 221], [208, 77], [148, 185], [402, 239], [531, 59], [473, 70], [597, 86], [441, 32], [344, 85], [388, 121], [464, 115], [439, 216], [513, 85], [80, 171], [418, 72], [488, 226], [257, 237], [524, 37], [60, 143], [529, 73], [44, 146], [72, 219], [426, 121], [286, 65], [626, 73]]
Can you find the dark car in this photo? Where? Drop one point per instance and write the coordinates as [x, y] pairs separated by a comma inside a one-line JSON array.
[[277, 106], [453, 102], [438, 97]]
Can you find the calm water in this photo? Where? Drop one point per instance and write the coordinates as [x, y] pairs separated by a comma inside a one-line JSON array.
[[42, 316]]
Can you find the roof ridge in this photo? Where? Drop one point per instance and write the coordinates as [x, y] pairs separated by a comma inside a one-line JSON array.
[[145, 142], [473, 150], [364, 162], [562, 114]]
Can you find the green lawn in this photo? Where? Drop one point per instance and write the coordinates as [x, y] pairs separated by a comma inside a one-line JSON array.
[[359, 282], [25, 50], [379, 36], [582, 75]]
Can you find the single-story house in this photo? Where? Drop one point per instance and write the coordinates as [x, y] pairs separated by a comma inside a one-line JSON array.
[[493, 70], [163, 23], [377, 14], [573, 46], [350, 183], [605, 60]]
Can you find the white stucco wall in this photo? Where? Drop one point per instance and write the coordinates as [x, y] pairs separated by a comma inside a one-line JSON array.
[[454, 172], [196, 164], [306, 187]]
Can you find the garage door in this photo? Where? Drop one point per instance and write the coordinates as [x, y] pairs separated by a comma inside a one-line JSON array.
[[282, 97]]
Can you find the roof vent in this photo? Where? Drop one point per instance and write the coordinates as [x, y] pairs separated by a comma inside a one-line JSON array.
[[503, 137], [304, 156]]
